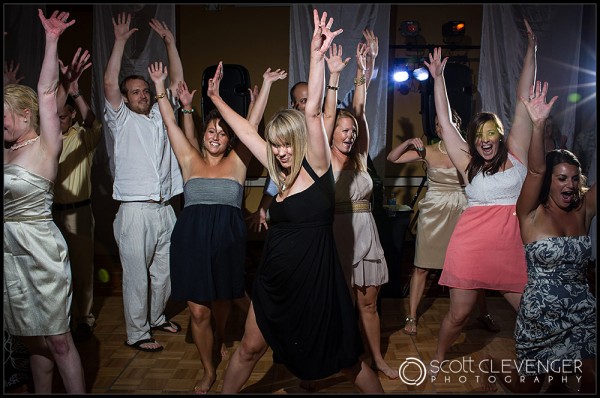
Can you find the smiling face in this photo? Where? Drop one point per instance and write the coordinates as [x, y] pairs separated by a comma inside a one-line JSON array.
[[216, 140], [487, 140], [284, 153], [344, 135], [564, 184], [138, 97]]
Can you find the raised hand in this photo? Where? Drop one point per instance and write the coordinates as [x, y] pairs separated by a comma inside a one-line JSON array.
[[72, 72], [215, 82], [361, 55], [121, 27], [322, 34], [157, 72], [184, 95], [163, 30], [372, 43], [536, 104], [272, 76], [10, 73], [532, 40], [335, 63], [56, 24], [436, 65]]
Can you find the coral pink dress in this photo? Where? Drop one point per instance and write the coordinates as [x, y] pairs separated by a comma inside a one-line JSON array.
[[485, 250]]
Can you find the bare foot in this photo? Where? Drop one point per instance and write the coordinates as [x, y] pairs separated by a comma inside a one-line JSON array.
[[386, 370], [204, 385]]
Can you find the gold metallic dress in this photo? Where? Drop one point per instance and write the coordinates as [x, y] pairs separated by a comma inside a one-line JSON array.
[[439, 211], [37, 273]]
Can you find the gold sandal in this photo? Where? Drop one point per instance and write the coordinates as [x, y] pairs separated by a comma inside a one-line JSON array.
[[410, 327]]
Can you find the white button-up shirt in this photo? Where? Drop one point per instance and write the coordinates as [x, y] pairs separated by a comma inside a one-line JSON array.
[[145, 166]]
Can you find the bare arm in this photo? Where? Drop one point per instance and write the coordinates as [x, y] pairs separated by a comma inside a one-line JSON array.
[[183, 149], [10, 73], [538, 111], [410, 150], [175, 66], [372, 51], [458, 150], [260, 101], [187, 118], [336, 65], [50, 134], [245, 131], [318, 151], [520, 132], [360, 99], [113, 68], [71, 75]]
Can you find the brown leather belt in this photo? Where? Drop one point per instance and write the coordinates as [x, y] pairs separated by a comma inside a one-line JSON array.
[[70, 206]]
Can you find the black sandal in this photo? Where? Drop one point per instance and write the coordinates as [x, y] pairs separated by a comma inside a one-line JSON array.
[[138, 345], [168, 324]]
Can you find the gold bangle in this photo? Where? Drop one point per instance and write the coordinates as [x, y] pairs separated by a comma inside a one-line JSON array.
[[334, 88], [360, 81], [159, 96]]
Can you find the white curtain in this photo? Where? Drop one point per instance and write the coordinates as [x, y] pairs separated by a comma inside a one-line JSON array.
[[353, 18], [503, 46], [143, 48], [558, 29]]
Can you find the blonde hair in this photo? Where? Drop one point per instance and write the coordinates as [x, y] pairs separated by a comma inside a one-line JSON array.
[[359, 161], [19, 98], [286, 127]]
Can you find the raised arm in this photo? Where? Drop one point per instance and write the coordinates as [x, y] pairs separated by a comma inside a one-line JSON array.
[[260, 101], [183, 149], [372, 51], [538, 111], [50, 133], [189, 126], [175, 66], [360, 99], [244, 130], [519, 136], [408, 151], [113, 68], [10, 73], [336, 65], [70, 83], [318, 151], [458, 150]]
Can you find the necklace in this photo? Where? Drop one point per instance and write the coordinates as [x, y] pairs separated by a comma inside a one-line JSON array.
[[30, 141], [440, 147]]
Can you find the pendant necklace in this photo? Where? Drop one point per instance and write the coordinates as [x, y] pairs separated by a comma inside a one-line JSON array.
[[30, 141], [440, 147]]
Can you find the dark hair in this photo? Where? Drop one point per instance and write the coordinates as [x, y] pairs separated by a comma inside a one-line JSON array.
[[554, 158], [293, 88], [477, 163], [123, 84], [214, 114], [70, 103]]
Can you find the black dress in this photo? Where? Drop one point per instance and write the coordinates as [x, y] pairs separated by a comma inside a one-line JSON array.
[[302, 304], [208, 242]]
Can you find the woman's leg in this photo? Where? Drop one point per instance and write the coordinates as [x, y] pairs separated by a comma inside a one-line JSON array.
[[68, 362], [364, 378], [462, 302], [484, 316], [513, 298], [41, 363], [203, 337], [221, 311], [366, 297], [252, 347], [417, 287]]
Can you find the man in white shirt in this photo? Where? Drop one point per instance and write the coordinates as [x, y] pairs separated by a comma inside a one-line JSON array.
[[147, 176]]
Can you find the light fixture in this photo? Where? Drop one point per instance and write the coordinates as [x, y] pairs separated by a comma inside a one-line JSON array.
[[421, 74], [401, 74], [410, 28], [453, 31]]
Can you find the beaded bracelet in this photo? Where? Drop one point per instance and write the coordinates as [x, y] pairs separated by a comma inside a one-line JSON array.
[[332, 88], [187, 110], [360, 81], [159, 96]]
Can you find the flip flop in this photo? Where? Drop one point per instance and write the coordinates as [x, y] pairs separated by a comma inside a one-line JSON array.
[[138, 345], [168, 324]]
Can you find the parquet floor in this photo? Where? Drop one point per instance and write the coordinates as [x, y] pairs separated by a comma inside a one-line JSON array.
[[113, 368]]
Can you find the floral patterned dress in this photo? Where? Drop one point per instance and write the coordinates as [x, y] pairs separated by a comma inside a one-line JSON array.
[[556, 321]]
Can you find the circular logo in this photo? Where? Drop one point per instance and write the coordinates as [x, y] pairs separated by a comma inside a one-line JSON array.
[[420, 377]]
